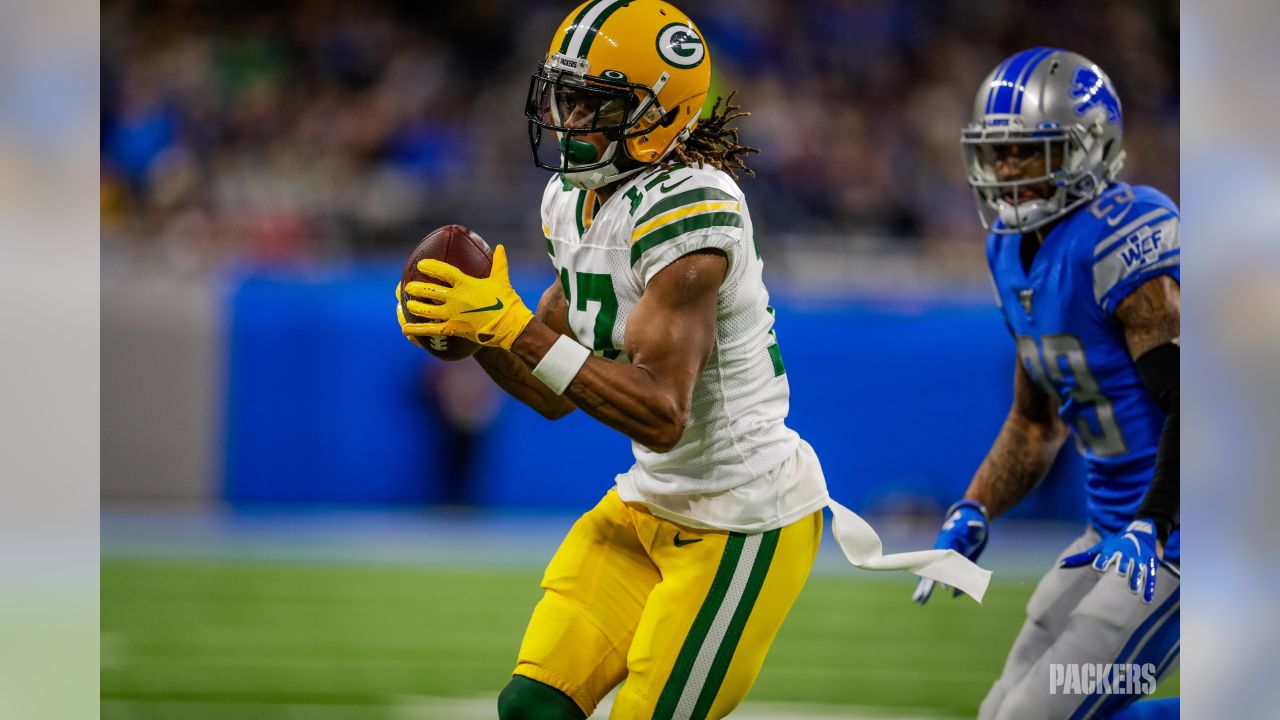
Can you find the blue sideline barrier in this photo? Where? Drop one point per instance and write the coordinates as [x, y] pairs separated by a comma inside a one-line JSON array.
[[323, 403]]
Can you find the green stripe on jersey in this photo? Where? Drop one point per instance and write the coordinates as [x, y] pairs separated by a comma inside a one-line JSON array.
[[688, 197], [680, 227], [577, 213], [775, 353], [551, 249], [775, 356], [670, 696], [720, 666]]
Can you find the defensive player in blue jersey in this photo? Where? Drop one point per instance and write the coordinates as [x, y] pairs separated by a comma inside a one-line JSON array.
[[1086, 271]]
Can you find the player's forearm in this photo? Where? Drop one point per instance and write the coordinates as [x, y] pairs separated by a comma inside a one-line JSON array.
[[1018, 460], [625, 397], [1160, 369], [512, 375], [1161, 502]]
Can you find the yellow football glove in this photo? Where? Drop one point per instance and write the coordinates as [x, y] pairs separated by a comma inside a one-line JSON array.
[[483, 310], [401, 319]]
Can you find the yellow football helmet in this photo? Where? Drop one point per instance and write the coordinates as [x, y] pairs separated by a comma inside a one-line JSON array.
[[636, 71]]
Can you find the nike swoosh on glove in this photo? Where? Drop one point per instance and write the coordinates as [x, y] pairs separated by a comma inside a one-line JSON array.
[[483, 310], [964, 531], [1133, 552]]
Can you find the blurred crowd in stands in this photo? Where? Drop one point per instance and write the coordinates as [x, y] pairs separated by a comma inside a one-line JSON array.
[[312, 130]]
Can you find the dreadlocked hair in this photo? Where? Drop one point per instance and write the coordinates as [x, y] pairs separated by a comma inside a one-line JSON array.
[[714, 143]]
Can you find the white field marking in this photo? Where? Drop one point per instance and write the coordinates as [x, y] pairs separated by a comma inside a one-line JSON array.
[[111, 650], [114, 709], [425, 707], [434, 708]]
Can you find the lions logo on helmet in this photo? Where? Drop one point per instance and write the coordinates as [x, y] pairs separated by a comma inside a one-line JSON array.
[[635, 72], [1092, 91], [1059, 104]]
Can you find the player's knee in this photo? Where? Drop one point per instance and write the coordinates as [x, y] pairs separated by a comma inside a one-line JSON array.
[[990, 707], [1026, 700], [525, 699]]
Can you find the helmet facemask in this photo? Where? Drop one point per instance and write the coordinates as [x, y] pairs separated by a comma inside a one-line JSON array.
[[1071, 160], [565, 100]]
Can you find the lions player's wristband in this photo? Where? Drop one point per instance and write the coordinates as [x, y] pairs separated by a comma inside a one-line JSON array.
[[561, 363]]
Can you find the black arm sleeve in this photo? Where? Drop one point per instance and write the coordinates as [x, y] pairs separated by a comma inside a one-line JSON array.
[[1159, 369]]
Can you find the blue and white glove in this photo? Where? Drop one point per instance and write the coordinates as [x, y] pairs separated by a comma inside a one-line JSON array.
[[1134, 553], [965, 531]]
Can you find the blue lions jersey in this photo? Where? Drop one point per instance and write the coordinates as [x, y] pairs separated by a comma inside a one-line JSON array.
[[1062, 314]]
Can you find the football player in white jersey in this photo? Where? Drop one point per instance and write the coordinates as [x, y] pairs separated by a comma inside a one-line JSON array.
[[659, 326]]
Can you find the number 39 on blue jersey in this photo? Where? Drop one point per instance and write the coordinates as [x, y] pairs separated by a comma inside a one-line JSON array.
[[1061, 312]]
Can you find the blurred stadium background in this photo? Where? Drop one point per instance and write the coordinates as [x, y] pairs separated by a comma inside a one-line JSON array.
[[305, 516]]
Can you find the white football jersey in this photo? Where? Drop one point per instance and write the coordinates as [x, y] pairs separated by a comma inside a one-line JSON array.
[[730, 469]]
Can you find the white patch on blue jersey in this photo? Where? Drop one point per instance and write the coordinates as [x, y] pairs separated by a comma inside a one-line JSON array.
[[1142, 246]]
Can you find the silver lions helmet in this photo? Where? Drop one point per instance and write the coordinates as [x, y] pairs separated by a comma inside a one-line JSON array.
[[1045, 139]]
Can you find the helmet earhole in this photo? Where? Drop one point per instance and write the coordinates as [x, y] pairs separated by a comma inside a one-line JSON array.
[[670, 117]]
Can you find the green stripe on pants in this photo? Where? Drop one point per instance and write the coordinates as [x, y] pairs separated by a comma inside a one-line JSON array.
[[724, 656], [698, 631], [708, 651]]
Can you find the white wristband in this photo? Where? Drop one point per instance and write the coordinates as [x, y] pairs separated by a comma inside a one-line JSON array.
[[561, 363]]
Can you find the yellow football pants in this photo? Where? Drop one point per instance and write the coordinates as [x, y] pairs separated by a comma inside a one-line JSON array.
[[685, 616]]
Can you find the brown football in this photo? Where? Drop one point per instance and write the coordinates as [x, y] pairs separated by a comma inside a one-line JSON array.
[[462, 249]]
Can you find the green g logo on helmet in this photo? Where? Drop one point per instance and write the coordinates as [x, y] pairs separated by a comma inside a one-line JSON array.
[[680, 46]]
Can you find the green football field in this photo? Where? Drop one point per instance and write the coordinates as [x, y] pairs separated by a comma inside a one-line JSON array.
[[196, 639]]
